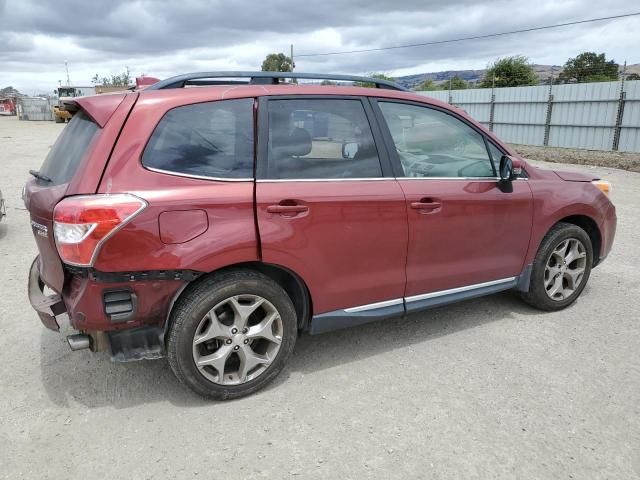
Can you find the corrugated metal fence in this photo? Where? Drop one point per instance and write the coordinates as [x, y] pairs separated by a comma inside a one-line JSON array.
[[35, 108], [596, 116]]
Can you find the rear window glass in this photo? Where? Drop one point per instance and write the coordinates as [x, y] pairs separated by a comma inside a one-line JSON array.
[[213, 139], [66, 154], [320, 139]]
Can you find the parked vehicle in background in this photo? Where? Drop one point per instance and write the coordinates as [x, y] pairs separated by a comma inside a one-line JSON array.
[[214, 224], [60, 113], [7, 106]]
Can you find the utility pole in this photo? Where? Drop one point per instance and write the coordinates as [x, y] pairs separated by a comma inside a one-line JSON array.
[[620, 115], [291, 56], [66, 67], [492, 105]]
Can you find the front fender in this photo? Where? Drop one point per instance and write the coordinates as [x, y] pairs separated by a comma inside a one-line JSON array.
[[554, 201]]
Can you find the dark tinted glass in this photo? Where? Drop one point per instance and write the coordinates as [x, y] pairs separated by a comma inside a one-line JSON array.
[[64, 158], [321, 139], [496, 155], [213, 139], [432, 143]]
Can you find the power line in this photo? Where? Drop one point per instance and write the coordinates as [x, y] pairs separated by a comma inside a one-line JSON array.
[[475, 37]]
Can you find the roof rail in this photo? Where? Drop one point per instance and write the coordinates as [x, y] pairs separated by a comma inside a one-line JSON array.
[[262, 78]]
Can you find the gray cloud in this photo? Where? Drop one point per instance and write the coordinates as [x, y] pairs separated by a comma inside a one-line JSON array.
[[168, 37]]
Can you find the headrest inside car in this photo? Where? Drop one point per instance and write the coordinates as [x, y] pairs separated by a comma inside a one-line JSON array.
[[296, 144]]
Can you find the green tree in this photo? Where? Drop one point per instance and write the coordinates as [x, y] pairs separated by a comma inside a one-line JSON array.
[[632, 76], [428, 85], [380, 76], [122, 80], [457, 83], [589, 67], [509, 72], [9, 91], [277, 62]]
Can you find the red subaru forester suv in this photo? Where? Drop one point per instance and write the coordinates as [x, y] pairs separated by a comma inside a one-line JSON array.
[[212, 217]]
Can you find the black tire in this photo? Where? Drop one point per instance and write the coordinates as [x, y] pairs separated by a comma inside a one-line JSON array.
[[194, 304], [58, 119], [537, 296]]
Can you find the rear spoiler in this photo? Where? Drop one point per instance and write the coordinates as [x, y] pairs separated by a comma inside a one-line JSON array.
[[144, 82], [98, 107]]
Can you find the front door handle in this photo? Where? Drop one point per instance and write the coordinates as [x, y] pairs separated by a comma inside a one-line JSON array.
[[427, 205]]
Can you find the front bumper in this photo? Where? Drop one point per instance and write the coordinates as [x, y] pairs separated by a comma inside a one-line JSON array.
[[608, 232], [47, 306]]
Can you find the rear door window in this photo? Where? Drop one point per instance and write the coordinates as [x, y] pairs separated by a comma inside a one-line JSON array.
[[213, 140], [320, 139], [72, 144]]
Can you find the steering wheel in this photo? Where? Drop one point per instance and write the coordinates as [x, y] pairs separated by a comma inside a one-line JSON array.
[[415, 166], [462, 173]]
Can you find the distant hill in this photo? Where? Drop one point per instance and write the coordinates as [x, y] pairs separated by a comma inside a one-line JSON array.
[[474, 76]]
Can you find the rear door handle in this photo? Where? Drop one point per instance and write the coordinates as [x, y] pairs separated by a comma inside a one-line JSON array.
[[288, 209]]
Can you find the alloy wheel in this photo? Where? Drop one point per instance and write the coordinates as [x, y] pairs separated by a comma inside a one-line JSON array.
[[565, 268], [237, 340]]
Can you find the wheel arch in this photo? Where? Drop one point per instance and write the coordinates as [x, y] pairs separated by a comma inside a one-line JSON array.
[[290, 281], [590, 226]]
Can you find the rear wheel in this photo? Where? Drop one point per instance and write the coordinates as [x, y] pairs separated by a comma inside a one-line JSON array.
[[232, 334], [561, 268], [59, 119]]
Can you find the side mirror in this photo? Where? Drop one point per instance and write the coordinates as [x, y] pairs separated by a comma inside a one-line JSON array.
[[506, 169], [510, 168], [349, 150]]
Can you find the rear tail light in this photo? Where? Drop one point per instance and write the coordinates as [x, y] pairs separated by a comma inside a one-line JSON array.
[[83, 223]]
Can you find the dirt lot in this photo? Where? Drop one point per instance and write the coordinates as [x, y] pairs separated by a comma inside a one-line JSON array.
[[624, 160], [487, 388]]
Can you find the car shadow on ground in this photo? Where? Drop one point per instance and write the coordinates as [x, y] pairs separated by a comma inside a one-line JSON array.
[[94, 381]]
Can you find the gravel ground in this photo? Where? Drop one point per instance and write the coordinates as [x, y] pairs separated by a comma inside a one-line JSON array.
[[625, 160], [488, 388]]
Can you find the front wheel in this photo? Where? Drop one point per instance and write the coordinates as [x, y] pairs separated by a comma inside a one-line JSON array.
[[561, 268], [231, 334]]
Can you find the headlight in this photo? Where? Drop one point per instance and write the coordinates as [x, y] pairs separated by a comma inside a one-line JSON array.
[[604, 186]]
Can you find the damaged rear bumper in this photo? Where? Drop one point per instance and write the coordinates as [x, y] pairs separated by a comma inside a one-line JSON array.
[[136, 334], [47, 306]]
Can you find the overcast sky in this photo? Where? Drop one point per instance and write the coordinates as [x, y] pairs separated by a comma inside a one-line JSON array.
[[163, 38]]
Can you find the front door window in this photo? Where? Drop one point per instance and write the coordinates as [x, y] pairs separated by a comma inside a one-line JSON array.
[[432, 143]]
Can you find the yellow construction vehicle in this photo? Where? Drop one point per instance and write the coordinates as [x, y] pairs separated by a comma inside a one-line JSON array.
[[60, 115]]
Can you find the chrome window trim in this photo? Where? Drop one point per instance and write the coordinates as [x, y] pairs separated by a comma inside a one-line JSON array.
[[280, 180], [475, 179], [450, 291], [199, 177], [373, 306], [376, 179], [486, 179]]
